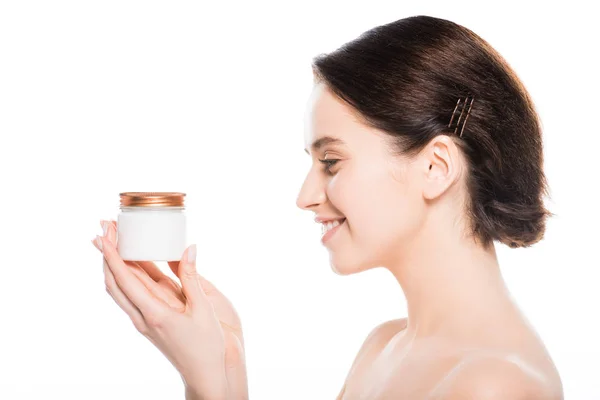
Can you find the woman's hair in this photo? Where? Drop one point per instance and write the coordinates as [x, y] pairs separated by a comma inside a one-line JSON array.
[[405, 78]]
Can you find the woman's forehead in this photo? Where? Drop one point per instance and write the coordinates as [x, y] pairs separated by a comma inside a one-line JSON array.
[[330, 121]]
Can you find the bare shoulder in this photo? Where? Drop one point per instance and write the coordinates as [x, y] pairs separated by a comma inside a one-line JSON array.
[[383, 332], [493, 378], [377, 338]]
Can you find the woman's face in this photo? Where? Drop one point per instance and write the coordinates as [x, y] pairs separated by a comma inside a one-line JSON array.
[[377, 193]]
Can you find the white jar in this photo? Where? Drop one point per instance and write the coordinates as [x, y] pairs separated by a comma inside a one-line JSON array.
[[151, 226]]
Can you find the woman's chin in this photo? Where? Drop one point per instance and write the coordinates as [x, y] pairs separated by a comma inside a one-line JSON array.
[[342, 267], [339, 271]]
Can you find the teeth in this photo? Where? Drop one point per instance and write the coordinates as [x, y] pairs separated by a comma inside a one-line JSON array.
[[328, 226]]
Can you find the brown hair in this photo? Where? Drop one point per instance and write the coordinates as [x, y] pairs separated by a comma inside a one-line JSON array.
[[405, 77]]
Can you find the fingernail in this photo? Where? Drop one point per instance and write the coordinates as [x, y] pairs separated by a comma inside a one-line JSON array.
[[105, 227], [98, 242], [191, 255]]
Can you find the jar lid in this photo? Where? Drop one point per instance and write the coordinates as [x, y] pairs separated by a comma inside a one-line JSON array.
[[152, 199]]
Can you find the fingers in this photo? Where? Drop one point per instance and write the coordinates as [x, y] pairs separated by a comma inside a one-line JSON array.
[[153, 271], [163, 294], [161, 279], [171, 294], [113, 234], [122, 301], [160, 285], [206, 286], [131, 286], [190, 280], [95, 243], [174, 265]]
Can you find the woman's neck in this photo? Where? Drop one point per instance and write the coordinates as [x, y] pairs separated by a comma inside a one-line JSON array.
[[453, 286]]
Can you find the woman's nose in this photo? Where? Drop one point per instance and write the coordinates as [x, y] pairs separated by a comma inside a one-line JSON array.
[[311, 194]]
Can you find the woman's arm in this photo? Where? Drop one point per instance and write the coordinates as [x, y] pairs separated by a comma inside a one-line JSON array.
[[341, 395]]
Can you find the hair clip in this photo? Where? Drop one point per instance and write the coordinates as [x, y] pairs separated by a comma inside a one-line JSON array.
[[461, 114]]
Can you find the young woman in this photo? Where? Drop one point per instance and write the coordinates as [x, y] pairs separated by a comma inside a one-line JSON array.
[[426, 150]]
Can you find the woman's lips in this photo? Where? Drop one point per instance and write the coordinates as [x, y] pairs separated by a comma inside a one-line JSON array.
[[329, 234]]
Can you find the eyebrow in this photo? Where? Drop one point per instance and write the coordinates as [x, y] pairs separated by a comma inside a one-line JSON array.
[[317, 144]]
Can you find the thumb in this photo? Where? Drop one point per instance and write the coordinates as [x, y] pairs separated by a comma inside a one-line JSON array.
[[190, 280]]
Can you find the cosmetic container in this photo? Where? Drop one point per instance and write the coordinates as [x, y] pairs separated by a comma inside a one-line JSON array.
[[151, 226]]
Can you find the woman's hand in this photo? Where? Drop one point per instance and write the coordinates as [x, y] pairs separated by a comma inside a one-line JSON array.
[[193, 325]]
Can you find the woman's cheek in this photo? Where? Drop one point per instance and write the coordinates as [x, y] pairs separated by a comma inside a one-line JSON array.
[[363, 201], [335, 193]]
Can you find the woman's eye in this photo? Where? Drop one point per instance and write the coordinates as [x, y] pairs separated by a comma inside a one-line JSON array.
[[329, 164]]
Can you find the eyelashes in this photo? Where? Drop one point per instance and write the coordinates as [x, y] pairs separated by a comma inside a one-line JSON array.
[[328, 164]]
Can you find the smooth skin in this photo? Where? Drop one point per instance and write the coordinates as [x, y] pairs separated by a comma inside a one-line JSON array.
[[194, 325], [464, 337]]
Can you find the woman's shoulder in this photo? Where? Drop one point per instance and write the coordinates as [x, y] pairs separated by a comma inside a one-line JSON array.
[[384, 331], [377, 338], [491, 377], [389, 327], [490, 366], [380, 335]]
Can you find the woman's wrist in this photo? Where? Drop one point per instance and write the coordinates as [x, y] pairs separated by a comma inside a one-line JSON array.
[[192, 393], [196, 390]]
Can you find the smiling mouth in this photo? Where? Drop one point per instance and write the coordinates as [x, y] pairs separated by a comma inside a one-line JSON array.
[[326, 227]]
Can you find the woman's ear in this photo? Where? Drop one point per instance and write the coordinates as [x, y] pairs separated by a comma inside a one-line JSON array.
[[442, 166]]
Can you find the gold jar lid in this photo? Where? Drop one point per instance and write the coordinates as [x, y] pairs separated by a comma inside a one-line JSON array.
[[152, 199]]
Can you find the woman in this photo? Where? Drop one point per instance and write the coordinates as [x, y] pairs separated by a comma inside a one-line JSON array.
[[426, 150]]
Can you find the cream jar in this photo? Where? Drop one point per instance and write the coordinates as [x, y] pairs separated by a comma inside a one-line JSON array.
[[151, 226]]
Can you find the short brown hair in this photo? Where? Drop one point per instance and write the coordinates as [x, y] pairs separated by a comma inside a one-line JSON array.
[[405, 77]]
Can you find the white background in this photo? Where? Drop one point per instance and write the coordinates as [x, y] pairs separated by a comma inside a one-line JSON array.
[[97, 98]]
